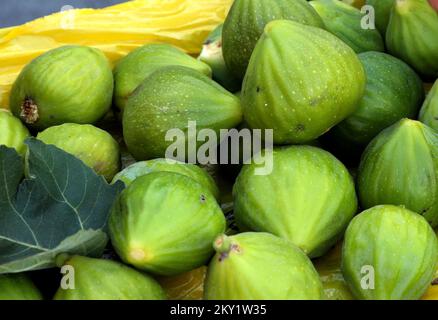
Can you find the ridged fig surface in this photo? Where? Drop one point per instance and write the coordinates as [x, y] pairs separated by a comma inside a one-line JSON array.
[[382, 10], [389, 253], [18, 287], [138, 169], [309, 198], [429, 110], [131, 70], [260, 266], [393, 91], [301, 81], [164, 223], [98, 279], [94, 146], [245, 23], [170, 98], [400, 167], [67, 84], [13, 132], [412, 35], [345, 22]]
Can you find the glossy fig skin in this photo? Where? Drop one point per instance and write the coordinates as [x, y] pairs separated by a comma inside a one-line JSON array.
[[13, 132], [398, 245], [429, 110], [67, 84], [245, 23], [167, 100], [98, 279], [164, 223], [301, 81], [18, 287], [344, 21], [131, 70], [313, 201], [393, 92], [399, 167], [260, 266], [412, 34], [138, 169], [94, 146]]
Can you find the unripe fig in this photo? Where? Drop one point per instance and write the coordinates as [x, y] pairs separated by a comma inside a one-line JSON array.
[[260, 266], [429, 110], [18, 287], [67, 84], [94, 146], [164, 223], [98, 279], [13, 132]]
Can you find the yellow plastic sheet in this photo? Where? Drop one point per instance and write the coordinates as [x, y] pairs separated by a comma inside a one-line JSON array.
[[115, 30]]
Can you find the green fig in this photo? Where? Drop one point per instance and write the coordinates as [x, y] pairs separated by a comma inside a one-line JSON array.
[[67, 84], [301, 81], [382, 11], [131, 70], [313, 202], [393, 92], [212, 55], [94, 146], [98, 279], [345, 22], [389, 253], [260, 266], [400, 167], [13, 132], [412, 35], [18, 287], [164, 223], [429, 111], [245, 23], [169, 99], [138, 169]]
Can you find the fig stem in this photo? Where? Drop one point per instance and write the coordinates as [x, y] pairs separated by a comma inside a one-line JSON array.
[[222, 244], [61, 259]]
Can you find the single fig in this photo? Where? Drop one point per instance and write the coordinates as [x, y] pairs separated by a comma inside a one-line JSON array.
[[98, 279], [429, 111], [245, 23], [13, 132], [412, 35], [389, 253], [345, 22], [212, 55], [67, 84], [301, 81], [18, 287], [260, 266], [313, 202], [138, 169], [169, 99], [393, 92], [400, 167], [94, 146], [382, 11], [164, 223], [131, 70]]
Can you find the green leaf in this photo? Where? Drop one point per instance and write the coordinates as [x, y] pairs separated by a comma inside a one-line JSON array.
[[61, 207]]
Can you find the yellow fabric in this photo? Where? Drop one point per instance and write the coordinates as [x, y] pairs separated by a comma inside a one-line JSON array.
[[115, 30]]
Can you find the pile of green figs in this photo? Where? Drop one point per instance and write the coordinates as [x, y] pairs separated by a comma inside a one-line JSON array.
[[350, 207]]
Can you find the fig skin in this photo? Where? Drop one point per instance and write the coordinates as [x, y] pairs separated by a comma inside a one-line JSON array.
[[164, 223], [429, 110], [131, 70], [18, 287], [94, 146], [260, 266], [13, 132], [138, 169], [399, 245], [98, 279], [70, 84]]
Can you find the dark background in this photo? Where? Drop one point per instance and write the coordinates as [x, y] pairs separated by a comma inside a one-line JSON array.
[[16, 12]]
